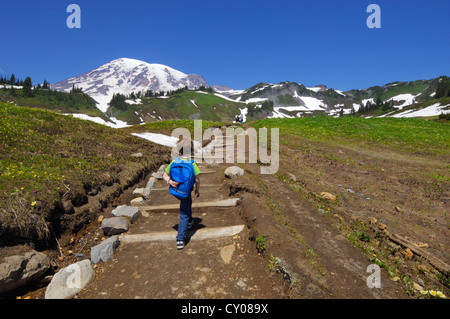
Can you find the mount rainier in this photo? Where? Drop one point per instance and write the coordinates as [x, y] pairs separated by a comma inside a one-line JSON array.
[[125, 76]]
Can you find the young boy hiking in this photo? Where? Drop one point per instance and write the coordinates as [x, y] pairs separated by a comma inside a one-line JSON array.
[[181, 174]]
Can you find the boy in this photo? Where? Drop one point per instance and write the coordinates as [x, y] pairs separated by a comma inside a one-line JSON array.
[[186, 221]]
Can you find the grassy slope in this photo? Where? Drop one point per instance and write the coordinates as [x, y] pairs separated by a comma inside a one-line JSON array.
[[44, 156], [55, 101], [416, 135], [179, 106]]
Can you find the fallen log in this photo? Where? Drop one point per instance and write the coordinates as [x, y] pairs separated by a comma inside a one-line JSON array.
[[433, 260]]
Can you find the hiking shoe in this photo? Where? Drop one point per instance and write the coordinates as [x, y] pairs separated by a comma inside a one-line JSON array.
[[190, 224], [180, 244]]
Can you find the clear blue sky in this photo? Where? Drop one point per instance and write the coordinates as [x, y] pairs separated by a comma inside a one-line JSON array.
[[232, 43]]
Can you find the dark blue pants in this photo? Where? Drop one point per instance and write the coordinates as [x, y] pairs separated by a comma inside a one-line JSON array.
[[185, 217]]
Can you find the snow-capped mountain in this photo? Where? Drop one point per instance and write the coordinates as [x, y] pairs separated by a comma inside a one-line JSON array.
[[125, 76]]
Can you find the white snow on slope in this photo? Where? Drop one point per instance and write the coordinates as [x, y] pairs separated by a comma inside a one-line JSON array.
[[256, 100], [314, 89], [313, 104], [158, 138], [367, 100], [407, 98], [117, 123], [193, 102], [431, 110], [226, 98], [171, 141]]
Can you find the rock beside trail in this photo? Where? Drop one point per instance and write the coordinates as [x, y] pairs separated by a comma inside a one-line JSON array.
[[105, 251], [142, 192], [69, 281], [328, 196], [292, 177], [159, 174], [234, 171], [20, 270], [126, 211], [115, 225], [137, 155], [151, 182], [139, 201]]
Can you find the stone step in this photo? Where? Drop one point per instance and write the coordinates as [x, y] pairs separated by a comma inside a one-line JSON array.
[[202, 186], [221, 203], [192, 234]]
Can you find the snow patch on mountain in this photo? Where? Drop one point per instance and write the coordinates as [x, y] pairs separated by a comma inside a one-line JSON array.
[[407, 99], [125, 76]]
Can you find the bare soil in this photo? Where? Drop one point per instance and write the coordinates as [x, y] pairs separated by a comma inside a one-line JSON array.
[[296, 244]]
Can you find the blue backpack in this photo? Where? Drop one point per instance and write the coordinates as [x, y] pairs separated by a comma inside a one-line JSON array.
[[182, 172]]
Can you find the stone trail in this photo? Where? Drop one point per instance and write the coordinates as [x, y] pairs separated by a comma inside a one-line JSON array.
[[141, 260]]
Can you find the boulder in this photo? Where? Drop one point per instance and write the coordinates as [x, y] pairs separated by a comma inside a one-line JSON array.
[[115, 225], [137, 202], [328, 196], [159, 174], [407, 253], [20, 270], [137, 155], [292, 177], [234, 171], [105, 251], [151, 182], [69, 281], [126, 211], [142, 192]]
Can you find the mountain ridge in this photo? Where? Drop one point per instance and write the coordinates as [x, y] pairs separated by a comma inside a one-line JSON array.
[[287, 99]]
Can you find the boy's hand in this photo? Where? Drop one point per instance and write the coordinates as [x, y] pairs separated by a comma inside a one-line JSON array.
[[173, 183], [197, 192]]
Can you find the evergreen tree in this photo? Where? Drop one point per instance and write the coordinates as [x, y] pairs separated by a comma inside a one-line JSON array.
[[378, 102], [118, 102], [76, 89], [27, 85], [12, 80], [443, 88]]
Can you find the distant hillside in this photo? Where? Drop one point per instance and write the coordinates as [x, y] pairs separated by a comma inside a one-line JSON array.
[[291, 99], [184, 105], [70, 102]]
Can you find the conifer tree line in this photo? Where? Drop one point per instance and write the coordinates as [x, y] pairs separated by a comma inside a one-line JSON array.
[[24, 89], [385, 106], [26, 84]]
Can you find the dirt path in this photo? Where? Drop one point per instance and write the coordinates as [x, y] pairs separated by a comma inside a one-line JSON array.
[[301, 253], [227, 267]]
